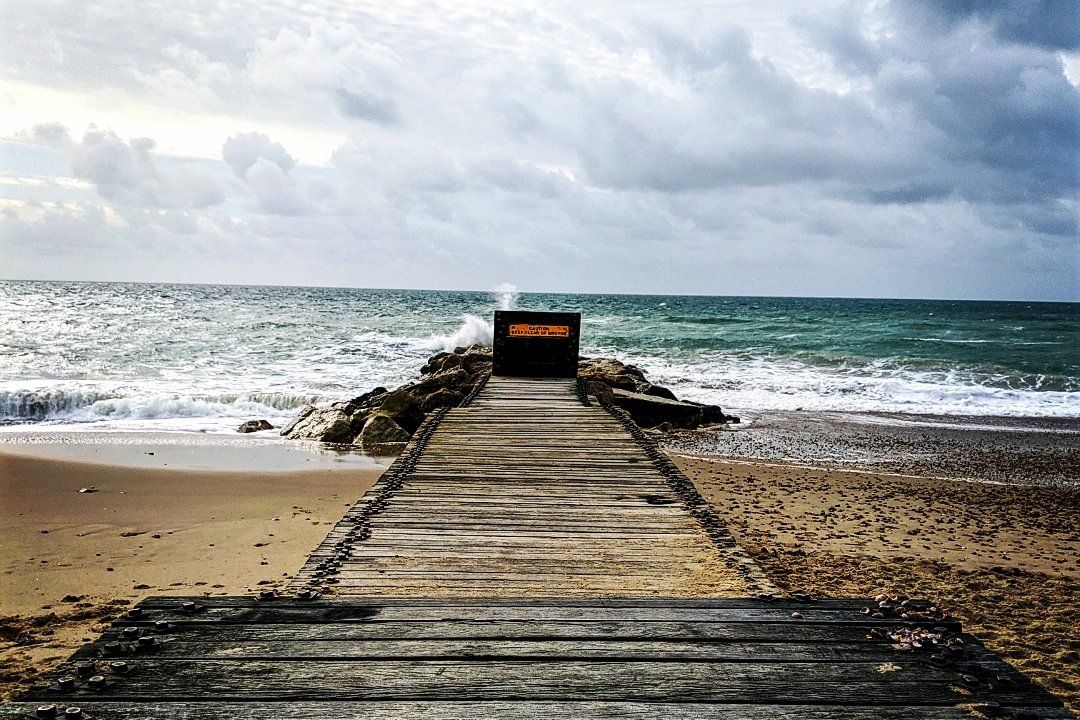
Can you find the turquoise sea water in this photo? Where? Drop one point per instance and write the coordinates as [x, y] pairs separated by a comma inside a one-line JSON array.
[[143, 356]]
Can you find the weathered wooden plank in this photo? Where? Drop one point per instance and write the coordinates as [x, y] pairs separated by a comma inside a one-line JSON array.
[[530, 474], [599, 577], [581, 587], [464, 523], [266, 645], [508, 541], [837, 682], [423, 493], [640, 508], [375, 552], [418, 546], [471, 604], [689, 533], [511, 710], [316, 612], [621, 458], [546, 526], [643, 516], [531, 481], [818, 633], [506, 563]]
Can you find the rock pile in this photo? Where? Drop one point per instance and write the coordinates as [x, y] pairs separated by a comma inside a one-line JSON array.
[[650, 406], [381, 419]]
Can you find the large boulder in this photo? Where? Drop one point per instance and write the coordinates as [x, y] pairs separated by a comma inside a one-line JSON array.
[[649, 410], [613, 373], [599, 390], [251, 426], [659, 391], [371, 398], [380, 431], [477, 360], [443, 397], [301, 416], [332, 425], [452, 379], [713, 414], [435, 362], [652, 411], [403, 408], [451, 361]]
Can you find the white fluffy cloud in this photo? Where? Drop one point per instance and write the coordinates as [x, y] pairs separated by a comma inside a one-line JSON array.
[[242, 151], [128, 173], [264, 166]]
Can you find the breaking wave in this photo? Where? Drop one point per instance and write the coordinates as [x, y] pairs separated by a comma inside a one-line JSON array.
[[81, 405], [770, 384], [473, 331]]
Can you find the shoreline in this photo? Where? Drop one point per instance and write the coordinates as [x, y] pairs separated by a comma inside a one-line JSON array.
[[183, 450], [1030, 451]]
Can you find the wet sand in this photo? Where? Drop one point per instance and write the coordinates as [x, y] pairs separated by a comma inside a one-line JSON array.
[[1004, 559], [71, 561], [1026, 451]]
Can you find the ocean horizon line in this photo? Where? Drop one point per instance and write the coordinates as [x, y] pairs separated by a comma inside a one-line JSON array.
[[517, 289]]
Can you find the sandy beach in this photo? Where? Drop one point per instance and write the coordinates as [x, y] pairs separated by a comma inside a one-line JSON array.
[[1005, 559], [83, 540]]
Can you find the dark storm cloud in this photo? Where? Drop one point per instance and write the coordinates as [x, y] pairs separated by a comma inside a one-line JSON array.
[[745, 123], [1051, 24], [993, 124], [938, 112]]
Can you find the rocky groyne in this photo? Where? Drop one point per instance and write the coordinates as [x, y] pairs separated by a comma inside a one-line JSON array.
[[383, 419]]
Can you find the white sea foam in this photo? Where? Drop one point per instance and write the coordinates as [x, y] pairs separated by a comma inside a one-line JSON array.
[[101, 403], [768, 384]]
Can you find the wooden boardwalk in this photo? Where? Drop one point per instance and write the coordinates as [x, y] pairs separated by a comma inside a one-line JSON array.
[[528, 492], [529, 556]]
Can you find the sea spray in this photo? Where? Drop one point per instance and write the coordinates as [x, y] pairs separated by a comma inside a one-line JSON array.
[[507, 294], [473, 331], [476, 330]]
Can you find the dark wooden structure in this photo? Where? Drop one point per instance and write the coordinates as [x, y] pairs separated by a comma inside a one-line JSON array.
[[536, 344], [530, 555]]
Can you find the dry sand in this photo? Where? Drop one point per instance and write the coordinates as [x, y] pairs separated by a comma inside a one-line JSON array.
[[71, 561], [1004, 559]]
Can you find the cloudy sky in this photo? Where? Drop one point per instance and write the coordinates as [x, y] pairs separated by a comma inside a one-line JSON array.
[[901, 148]]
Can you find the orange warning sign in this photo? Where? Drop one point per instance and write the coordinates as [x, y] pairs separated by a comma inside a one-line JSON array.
[[524, 330]]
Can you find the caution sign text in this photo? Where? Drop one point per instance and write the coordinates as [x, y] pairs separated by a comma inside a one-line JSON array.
[[552, 331]]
